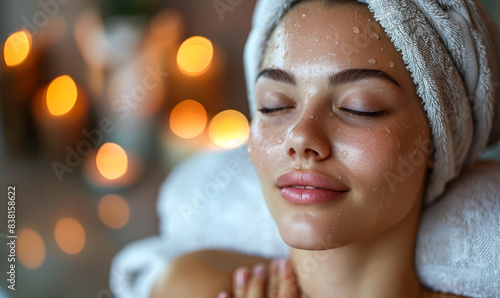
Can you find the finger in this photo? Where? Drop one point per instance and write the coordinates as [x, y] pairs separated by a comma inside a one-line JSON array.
[[240, 281], [223, 295], [273, 280], [287, 284], [257, 283]]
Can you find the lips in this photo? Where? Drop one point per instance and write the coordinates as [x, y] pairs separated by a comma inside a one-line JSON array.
[[309, 188]]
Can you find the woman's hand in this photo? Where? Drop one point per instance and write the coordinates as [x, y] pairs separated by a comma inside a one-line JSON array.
[[274, 281]]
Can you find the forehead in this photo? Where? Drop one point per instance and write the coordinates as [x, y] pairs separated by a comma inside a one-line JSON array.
[[330, 39]]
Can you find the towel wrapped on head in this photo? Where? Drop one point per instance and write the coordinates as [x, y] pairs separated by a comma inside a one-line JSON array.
[[452, 50]]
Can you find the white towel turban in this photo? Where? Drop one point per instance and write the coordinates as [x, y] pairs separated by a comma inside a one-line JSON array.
[[451, 48]]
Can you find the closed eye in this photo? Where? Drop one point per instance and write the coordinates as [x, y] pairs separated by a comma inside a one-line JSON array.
[[363, 114], [272, 110]]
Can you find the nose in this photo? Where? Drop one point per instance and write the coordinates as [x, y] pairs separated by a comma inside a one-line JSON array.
[[308, 139]]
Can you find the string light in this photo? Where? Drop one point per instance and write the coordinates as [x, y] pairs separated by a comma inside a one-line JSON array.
[[188, 119], [112, 161], [17, 48], [61, 95], [195, 55], [113, 211], [229, 129], [70, 235], [30, 248]]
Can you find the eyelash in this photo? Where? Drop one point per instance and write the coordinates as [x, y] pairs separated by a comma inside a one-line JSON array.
[[353, 112], [364, 114], [271, 110]]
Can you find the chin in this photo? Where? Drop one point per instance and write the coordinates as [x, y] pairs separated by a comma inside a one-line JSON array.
[[309, 235]]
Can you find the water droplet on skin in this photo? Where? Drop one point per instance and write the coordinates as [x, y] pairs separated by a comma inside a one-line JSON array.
[[340, 177], [316, 39], [382, 49], [372, 61], [355, 30], [344, 154], [338, 214], [392, 64], [374, 189], [374, 36], [280, 141], [310, 50], [336, 42], [303, 15], [285, 55], [312, 116], [260, 165], [297, 167]]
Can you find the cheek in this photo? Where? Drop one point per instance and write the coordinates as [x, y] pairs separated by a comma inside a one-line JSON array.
[[265, 147], [387, 168]]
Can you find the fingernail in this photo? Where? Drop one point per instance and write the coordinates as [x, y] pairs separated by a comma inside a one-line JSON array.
[[240, 277], [259, 270], [284, 265]]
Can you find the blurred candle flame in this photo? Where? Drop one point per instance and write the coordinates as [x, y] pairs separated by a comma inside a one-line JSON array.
[[195, 55], [30, 249], [17, 48], [188, 119], [113, 211], [70, 235], [112, 161], [61, 95], [229, 129]]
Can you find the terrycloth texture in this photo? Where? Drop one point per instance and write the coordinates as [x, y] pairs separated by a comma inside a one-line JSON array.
[[457, 249], [450, 49]]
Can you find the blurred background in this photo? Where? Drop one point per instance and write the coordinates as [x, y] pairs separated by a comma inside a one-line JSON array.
[[99, 100]]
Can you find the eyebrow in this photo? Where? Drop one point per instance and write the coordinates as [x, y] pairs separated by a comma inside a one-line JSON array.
[[350, 75]]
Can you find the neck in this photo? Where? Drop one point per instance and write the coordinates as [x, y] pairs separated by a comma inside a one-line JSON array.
[[380, 266]]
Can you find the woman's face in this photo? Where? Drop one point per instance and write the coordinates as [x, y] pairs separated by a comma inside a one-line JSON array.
[[340, 141]]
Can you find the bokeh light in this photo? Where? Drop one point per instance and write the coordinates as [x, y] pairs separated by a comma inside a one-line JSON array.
[[113, 211], [61, 95], [188, 119], [70, 235], [229, 129], [30, 249], [195, 55], [17, 48], [112, 161]]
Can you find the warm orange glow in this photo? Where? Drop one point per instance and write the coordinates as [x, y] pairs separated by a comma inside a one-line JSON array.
[[17, 48], [61, 95], [30, 249], [113, 211], [229, 129], [70, 236], [112, 161], [195, 55], [188, 119]]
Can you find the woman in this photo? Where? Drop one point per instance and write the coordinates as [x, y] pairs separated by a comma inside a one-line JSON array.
[[352, 133]]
